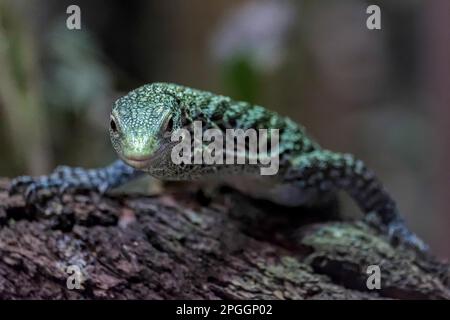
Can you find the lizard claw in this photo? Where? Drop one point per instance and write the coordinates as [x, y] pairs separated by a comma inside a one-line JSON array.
[[63, 188], [31, 192], [103, 187]]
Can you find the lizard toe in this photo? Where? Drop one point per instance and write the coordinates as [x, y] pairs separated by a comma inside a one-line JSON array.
[[30, 193], [399, 233], [19, 183], [31, 186]]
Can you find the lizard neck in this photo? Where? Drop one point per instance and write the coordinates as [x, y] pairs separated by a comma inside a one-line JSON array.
[[223, 113]]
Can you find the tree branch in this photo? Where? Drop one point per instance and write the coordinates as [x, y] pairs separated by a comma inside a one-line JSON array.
[[184, 245]]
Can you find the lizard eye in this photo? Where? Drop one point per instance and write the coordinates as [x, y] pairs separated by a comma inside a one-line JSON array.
[[169, 125], [113, 125]]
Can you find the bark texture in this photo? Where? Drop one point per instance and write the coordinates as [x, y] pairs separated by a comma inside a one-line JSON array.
[[183, 245]]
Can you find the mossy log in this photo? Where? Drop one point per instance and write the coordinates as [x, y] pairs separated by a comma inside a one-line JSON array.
[[184, 245]]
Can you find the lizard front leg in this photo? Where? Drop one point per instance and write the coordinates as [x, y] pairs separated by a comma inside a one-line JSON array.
[[101, 179], [325, 171]]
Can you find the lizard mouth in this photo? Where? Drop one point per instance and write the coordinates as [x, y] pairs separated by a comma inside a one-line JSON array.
[[147, 161], [138, 162]]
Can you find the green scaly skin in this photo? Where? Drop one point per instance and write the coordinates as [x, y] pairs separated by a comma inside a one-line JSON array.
[[141, 125]]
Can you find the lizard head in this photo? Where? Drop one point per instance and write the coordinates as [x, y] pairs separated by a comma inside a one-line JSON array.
[[141, 124]]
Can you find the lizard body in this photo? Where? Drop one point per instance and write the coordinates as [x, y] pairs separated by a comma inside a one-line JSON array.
[[141, 125]]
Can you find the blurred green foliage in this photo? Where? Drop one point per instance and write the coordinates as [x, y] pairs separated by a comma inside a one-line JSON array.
[[241, 79]]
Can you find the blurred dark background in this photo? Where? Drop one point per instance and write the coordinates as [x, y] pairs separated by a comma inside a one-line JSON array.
[[383, 95]]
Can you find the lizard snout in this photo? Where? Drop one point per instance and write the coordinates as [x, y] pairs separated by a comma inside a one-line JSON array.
[[139, 151]]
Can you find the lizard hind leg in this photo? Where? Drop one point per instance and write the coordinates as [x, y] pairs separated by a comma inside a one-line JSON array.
[[324, 171]]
